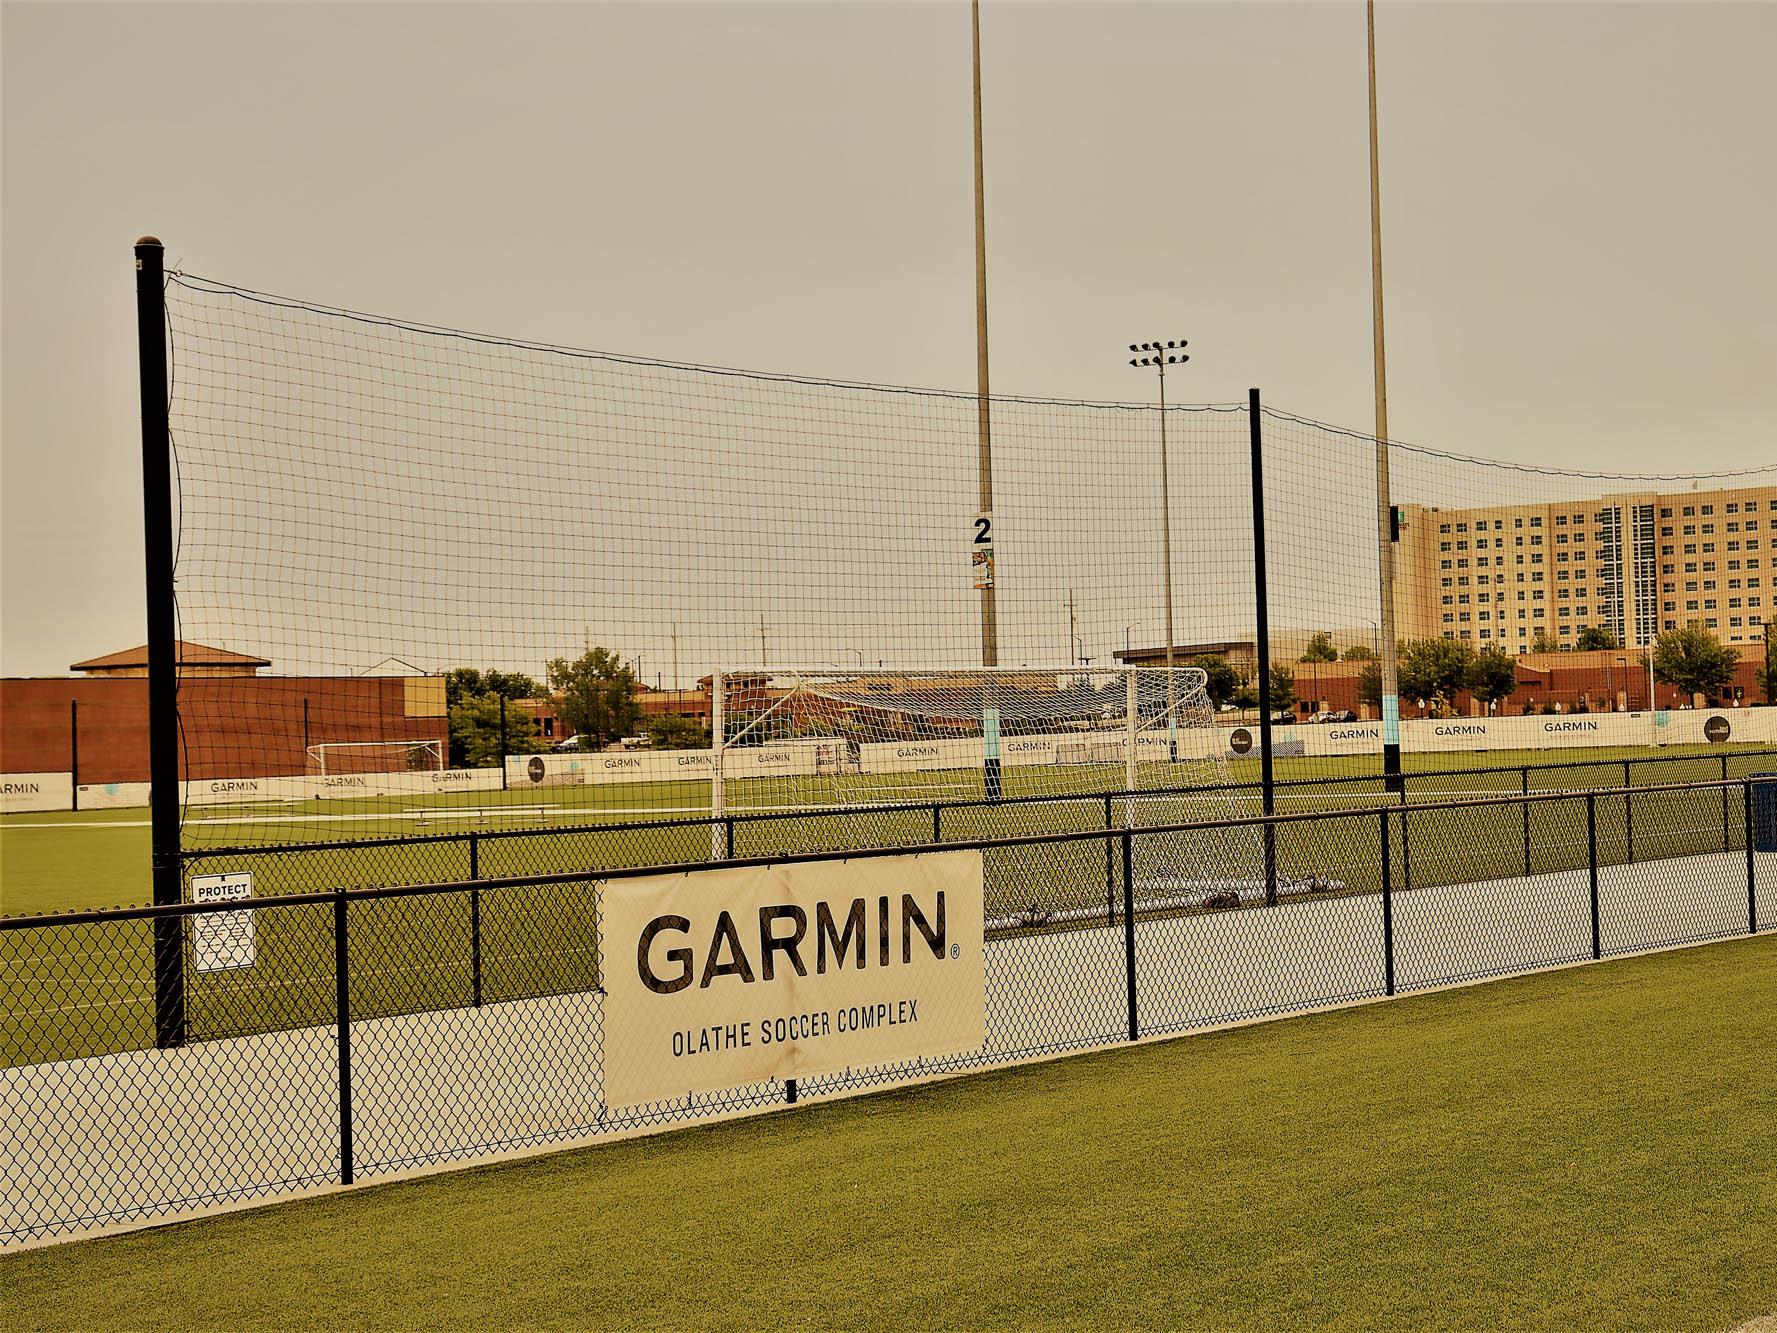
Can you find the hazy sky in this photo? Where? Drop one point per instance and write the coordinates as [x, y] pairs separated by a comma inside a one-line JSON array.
[[1579, 206]]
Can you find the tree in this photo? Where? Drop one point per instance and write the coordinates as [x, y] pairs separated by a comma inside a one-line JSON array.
[[676, 733], [1595, 638], [475, 731], [1434, 669], [1544, 642], [1359, 652], [1247, 696], [598, 697], [460, 682], [1492, 676], [1320, 649], [1695, 660], [1224, 680], [1369, 685], [1283, 687]]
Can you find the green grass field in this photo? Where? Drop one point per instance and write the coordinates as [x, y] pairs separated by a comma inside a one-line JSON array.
[[1594, 1148], [86, 990]]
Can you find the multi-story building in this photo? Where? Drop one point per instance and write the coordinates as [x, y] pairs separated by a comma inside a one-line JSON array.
[[1633, 564]]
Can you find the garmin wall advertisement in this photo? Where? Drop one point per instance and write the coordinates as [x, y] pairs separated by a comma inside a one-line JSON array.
[[728, 977]]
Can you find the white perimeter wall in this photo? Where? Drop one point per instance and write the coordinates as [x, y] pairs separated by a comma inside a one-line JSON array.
[[1746, 726]]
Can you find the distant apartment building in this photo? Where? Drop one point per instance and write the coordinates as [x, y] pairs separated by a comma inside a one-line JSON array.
[[1634, 564]]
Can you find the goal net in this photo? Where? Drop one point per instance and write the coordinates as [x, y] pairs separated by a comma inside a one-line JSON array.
[[1136, 746], [333, 758]]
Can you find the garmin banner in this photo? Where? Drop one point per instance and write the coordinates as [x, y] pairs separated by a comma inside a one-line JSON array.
[[726, 977]]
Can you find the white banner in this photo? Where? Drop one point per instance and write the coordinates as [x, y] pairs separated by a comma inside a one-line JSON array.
[[728, 977], [35, 791]]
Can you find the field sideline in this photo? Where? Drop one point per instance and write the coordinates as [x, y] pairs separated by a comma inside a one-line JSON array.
[[1585, 1148]]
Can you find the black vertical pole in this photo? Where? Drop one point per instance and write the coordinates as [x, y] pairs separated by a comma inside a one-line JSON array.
[[1262, 616], [1387, 912], [789, 1092], [503, 784], [1727, 838], [1751, 892], [305, 731], [74, 749], [1129, 929], [475, 919], [1592, 863], [937, 823], [163, 701], [1525, 774], [1628, 816], [342, 1017], [1110, 871]]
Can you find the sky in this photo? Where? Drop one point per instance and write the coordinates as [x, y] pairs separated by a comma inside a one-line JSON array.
[[1579, 203]]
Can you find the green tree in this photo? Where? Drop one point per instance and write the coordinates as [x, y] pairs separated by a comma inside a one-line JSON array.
[[1544, 642], [1492, 676], [1224, 680], [1695, 660], [475, 731], [597, 694], [1283, 687], [1320, 649], [1247, 695], [676, 733], [1434, 669], [464, 681], [1369, 685], [1595, 638], [1359, 652]]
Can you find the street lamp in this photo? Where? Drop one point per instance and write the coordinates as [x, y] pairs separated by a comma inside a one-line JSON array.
[[1159, 356]]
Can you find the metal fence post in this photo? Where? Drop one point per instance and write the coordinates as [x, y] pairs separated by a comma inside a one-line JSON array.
[[1129, 929], [1262, 640], [74, 750], [937, 824], [1524, 773], [475, 918], [1387, 910], [729, 823], [1110, 870], [1751, 891], [1628, 815], [1727, 840], [1406, 852], [342, 1017], [1592, 862], [163, 696]]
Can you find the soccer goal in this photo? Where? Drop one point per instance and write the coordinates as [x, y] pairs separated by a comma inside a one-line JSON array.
[[332, 758], [825, 740]]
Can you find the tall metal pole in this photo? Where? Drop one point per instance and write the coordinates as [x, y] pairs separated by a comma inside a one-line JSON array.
[[1391, 681], [1262, 639], [1166, 523], [990, 628], [163, 723]]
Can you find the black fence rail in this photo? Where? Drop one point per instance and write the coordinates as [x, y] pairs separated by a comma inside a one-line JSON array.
[[474, 853], [376, 1030]]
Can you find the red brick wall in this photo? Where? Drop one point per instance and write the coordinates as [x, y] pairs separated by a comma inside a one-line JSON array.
[[233, 727]]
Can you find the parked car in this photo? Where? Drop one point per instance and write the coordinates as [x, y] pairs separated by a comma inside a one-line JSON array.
[[563, 746], [1279, 718], [1327, 715]]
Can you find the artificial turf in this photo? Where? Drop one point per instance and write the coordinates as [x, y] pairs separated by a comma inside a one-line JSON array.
[[1583, 1149]]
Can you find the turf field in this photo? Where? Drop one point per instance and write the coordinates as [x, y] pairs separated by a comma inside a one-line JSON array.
[[1581, 1149], [62, 861]]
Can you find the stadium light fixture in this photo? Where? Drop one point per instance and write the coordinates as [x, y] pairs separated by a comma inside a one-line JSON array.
[[1160, 355]]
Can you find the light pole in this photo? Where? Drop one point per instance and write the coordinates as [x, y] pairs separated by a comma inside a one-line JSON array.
[[1159, 356]]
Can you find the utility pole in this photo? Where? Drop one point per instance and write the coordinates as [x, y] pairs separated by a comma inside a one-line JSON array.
[[675, 656], [763, 659], [1073, 638], [1385, 534], [990, 630]]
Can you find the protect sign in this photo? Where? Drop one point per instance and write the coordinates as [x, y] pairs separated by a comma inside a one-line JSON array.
[[222, 940], [727, 977]]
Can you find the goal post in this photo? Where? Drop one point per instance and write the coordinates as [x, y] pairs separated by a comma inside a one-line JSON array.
[[788, 740], [332, 758]]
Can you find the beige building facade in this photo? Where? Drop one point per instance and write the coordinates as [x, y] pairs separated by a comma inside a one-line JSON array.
[[1635, 564]]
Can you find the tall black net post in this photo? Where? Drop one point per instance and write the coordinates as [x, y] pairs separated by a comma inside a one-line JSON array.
[[163, 722], [1262, 641]]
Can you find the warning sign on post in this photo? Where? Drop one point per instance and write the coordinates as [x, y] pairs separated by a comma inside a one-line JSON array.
[[222, 940]]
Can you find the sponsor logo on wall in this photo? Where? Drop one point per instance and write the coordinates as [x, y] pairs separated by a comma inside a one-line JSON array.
[[1717, 729]]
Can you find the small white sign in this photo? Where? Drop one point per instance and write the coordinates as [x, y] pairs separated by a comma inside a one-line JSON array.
[[222, 940]]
